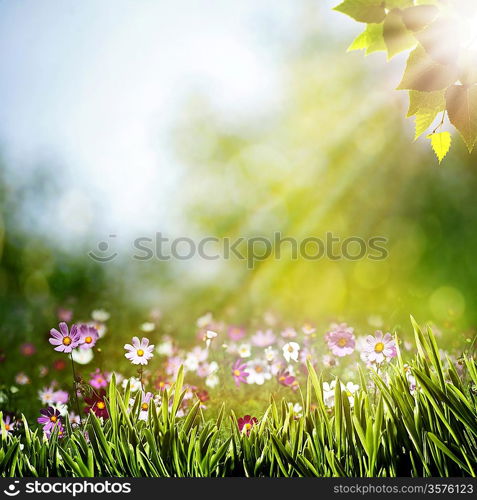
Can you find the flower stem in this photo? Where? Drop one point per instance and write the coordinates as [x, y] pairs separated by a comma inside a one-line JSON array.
[[75, 389], [140, 378]]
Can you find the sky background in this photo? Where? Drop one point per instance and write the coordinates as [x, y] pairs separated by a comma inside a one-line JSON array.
[[94, 88]]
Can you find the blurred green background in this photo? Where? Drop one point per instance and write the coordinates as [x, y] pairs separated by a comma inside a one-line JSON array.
[[331, 152]]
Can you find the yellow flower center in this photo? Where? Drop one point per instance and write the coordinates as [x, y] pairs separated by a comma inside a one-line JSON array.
[[101, 405], [7, 427], [258, 369], [342, 342], [379, 347], [162, 384], [140, 352], [247, 427], [144, 407], [237, 373], [290, 348], [53, 418], [88, 340], [67, 340]]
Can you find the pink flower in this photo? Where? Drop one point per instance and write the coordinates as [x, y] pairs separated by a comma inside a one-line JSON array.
[[246, 423], [89, 336], [172, 366], [379, 348], [98, 380], [140, 352], [238, 372], [27, 349], [49, 418], [65, 340], [284, 378], [60, 397], [341, 340], [263, 339], [64, 314], [236, 333], [289, 333]]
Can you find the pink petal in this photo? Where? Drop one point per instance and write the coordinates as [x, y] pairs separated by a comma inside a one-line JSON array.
[[144, 342], [64, 329], [136, 343], [55, 333]]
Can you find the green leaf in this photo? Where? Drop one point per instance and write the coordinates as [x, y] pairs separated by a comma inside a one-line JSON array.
[[370, 40], [424, 74], [364, 11], [394, 4], [424, 119], [441, 143], [446, 450], [418, 17], [419, 101], [397, 37], [462, 110]]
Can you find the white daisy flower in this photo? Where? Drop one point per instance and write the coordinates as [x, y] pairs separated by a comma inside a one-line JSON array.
[[140, 352], [82, 356], [258, 372], [100, 315], [212, 380], [329, 393], [291, 350], [165, 348], [297, 409], [204, 320], [244, 351], [134, 384], [148, 327], [270, 354]]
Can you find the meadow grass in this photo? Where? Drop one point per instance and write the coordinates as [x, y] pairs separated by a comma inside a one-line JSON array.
[[390, 430]]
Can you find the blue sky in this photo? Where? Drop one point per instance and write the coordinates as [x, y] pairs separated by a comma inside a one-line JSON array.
[[97, 86]]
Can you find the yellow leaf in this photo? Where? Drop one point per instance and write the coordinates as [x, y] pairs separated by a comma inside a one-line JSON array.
[[441, 143]]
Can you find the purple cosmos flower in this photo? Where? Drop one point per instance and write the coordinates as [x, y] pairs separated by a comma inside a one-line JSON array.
[[88, 336], [65, 340], [238, 372], [263, 339], [146, 399], [379, 348], [285, 378], [236, 333], [8, 423], [98, 380], [341, 340], [49, 418], [140, 352], [58, 426]]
